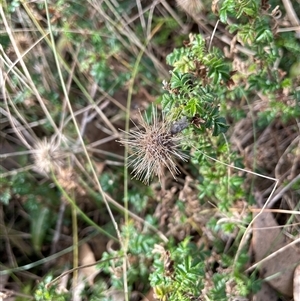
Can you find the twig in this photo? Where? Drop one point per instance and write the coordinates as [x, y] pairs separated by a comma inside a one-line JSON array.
[[282, 192], [292, 15]]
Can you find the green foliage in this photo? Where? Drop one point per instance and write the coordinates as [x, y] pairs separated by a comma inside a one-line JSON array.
[[202, 81], [140, 246], [238, 9], [138, 197], [216, 185], [179, 276], [199, 76], [291, 49], [97, 292], [44, 292], [13, 5], [5, 196], [254, 28], [5, 191], [169, 28], [40, 215], [206, 88]]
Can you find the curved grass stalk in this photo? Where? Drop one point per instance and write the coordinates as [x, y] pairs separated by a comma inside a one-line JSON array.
[[82, 214], [7, 271]]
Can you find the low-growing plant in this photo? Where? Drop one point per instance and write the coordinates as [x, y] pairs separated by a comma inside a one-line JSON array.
[[185, 239]]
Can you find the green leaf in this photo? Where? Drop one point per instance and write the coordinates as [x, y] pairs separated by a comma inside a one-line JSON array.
[[39, 226], [227, 7], [236, 181], [5, 196], [247, 34], [191, 107], [180, 80], [198, 46], [176, 55], [264, 35]]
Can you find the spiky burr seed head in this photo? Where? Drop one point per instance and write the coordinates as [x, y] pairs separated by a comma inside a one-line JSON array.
[[153, 148]]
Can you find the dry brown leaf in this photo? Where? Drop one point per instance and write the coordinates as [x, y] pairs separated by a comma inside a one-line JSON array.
[[79, 287], [149, 296], [297, 284], [215, 6], [266, 293], [63, 283], [87, 257], [267, 239]]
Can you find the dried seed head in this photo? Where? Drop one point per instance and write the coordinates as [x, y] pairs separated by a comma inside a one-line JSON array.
[[47, 156], [23, 42], [153, 147], [192, 7]]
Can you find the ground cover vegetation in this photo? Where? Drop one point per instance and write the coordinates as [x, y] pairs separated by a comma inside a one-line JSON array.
[[149, 150]]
